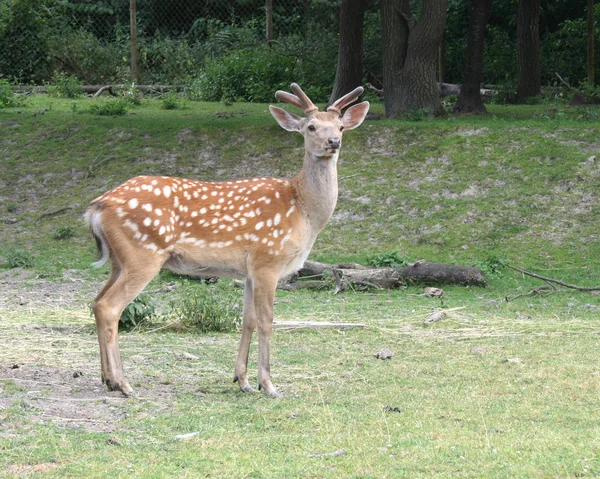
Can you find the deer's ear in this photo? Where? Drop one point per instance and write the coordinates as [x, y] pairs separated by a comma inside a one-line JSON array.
[[355, 115], [288, 121]]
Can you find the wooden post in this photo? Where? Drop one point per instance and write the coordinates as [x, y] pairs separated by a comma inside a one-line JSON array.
[[269, 22], [134, 44], [590, 42]]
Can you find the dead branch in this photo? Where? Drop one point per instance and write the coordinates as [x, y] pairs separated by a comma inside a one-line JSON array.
[[563, 81], [551, 280], [101, 90], [55, 212]]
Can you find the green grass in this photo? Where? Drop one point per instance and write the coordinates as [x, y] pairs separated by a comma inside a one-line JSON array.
[[520, 185]]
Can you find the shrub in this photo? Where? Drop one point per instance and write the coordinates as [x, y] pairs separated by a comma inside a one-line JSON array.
[[82, 54], [110, 108], [208, 307], [387, 260], [63, 85], [8, 98], [18, 258], [171, 102], [24, 27], [63, 232], [137, 311], [169, 60]]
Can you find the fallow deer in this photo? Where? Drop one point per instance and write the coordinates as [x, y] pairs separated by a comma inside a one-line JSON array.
[[259, 228]]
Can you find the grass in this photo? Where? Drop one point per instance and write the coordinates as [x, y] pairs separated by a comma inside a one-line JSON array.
[[495, 389]]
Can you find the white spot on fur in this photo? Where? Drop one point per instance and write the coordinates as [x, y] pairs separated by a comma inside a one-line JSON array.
[[133, 203], [166, 191]]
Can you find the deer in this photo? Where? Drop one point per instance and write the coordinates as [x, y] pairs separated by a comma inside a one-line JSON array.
[[260, 229]]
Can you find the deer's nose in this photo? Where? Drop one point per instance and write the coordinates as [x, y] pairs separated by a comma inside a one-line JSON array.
[[334, 143]]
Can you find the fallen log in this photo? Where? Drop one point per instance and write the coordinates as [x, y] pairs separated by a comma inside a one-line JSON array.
[[352, 275], [423, 272]]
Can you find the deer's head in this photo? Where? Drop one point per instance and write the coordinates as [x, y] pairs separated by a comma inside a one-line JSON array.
[[322, 131]]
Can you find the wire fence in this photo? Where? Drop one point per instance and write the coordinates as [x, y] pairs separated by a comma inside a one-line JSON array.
[[169, 39]]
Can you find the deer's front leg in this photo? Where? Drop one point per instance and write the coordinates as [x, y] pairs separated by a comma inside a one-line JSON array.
[[264, 297], [248, 327]]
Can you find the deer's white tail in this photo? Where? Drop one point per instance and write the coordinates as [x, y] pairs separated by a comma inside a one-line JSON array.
[[93, 218]]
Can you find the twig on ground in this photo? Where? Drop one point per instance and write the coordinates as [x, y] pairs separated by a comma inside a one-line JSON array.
[[55, 212], [550, 280], [341, 452]]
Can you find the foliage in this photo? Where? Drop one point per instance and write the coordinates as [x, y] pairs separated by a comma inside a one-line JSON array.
[[18, 258], [492, 265], [208, 307], [132, 95], [246, 75], [63, 232], [24, 30], [392, 259], [140, 309], [8, 98], [109, 108], [168, 60], [171, 101], [64, 85], [79, 52]]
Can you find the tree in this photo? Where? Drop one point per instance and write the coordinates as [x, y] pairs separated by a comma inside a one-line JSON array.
[[469, 99], [349, 71], [410, 50], [528, 50]]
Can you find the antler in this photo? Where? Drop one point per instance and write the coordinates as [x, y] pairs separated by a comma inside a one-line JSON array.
[[300, 99], [348, 98]]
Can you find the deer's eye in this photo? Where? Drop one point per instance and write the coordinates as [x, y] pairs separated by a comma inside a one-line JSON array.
[[342, 128], [311, 128]]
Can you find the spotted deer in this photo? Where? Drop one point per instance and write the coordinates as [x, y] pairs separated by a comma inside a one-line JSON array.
[[258, 228]]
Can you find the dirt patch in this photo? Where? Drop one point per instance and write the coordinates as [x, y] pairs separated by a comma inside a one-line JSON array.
[[61, 396], [21, 288]]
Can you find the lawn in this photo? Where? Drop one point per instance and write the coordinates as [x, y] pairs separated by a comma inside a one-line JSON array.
[[497, 388]]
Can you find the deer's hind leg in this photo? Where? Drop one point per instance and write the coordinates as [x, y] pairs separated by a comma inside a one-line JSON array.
[[126, 282]]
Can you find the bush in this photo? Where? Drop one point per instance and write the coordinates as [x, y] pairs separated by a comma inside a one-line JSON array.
[[387, 260], [172, 102], [17, 258], [208, 307], [63, 232], [63, 85], [110, 108], [24, 27], [8, 98], [137, 311], [80, 53], [168, 60]]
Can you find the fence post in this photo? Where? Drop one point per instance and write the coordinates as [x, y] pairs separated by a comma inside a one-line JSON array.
[[134, 44], [269, 22]]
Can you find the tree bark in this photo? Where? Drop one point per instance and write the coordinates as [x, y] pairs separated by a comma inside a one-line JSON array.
[[590, 43], [357, 275], [410, 54], [469, 99], [349, 71], [528, 50]]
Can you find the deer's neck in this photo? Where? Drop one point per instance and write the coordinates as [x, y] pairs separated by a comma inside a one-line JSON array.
[[317, 189]]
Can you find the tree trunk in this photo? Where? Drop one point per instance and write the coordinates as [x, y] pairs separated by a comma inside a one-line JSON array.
[[528, 50], [469, 100], [590, 43], [134, 45], [349, 71], [410, 53]]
